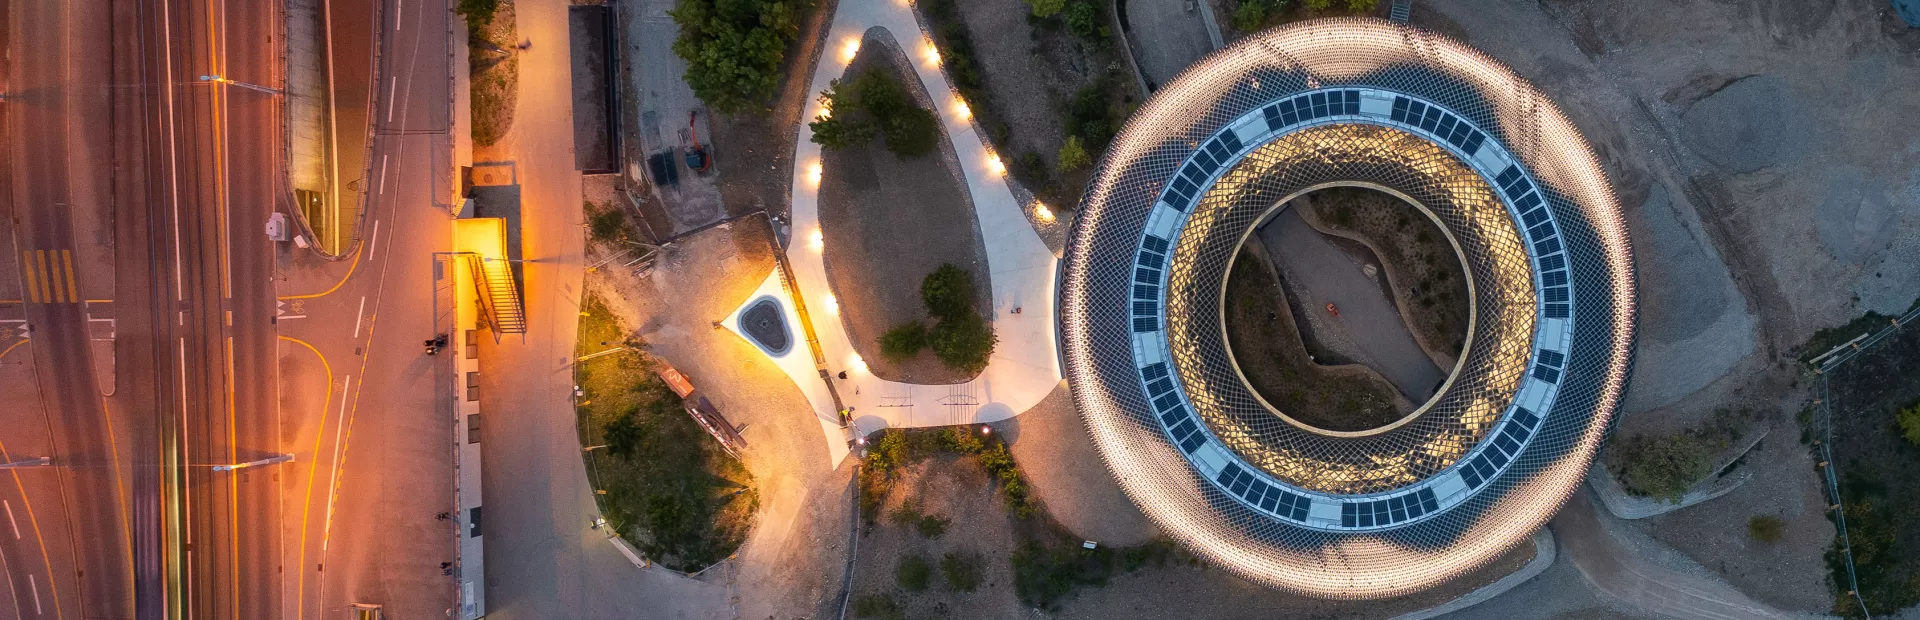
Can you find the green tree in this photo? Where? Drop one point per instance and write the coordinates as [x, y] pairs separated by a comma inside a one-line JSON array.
[[1046, 8], [947, 292], [1073, 155], [479, 13], [734, 48], [912, 131], [1083, 20], [904, 340], [964, 342], [843, 126], [1665, 467], [1909, 421]]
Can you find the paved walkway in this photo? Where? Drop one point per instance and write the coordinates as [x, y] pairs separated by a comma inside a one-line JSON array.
[[1325, 274], [1025, 366]]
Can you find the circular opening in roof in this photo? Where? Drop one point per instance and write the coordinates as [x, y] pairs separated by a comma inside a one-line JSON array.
[[1347, 308]]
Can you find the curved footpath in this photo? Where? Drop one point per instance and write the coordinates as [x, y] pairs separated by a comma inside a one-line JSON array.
[[1025, 366]]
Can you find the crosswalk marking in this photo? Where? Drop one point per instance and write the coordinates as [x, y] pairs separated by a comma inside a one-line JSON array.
[[50, 277]]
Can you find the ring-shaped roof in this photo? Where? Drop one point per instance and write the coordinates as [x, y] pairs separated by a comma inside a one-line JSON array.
[[1348, 101]]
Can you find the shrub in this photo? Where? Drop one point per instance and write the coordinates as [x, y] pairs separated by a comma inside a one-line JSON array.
[[1317, 5], [880, 606], [964, 342], [962, 571], [1909, 421], [1090, 117], [908, 512], [1046, 8], [479, 13], [962, 440], [734, 48], [931, 526], [904, 340], [1766, 528], [875, 102], [1665, 467], [1083, 20], [1073, 155], [1252, 15], [841, 127], [913, 573], [947, 292], [605, 224], [1362, 5], [912, 132]]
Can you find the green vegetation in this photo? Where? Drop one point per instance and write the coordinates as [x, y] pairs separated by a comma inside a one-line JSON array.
[[734, 48], [929, 525], [913, 573], [904, 340], [875, 103], [479, 13], [669, 488], [877, 606], [1073, 155], [1766, 528], [962, 339], [1046, 8], [1252, 15], [1265, 340], [1044, 573], [605, 225], [1909, 422], [1665, 467], [896, 448], [493, 67], [1095, 114], [962, 571], [956, 52]]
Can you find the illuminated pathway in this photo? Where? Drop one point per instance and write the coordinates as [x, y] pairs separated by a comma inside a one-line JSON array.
[[1025, 365]]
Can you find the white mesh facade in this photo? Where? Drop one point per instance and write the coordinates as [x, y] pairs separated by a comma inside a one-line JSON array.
[[1475, 470]]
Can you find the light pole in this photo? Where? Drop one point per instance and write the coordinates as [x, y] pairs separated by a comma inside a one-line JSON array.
[[219, 79], [33, 462], [284, 458]]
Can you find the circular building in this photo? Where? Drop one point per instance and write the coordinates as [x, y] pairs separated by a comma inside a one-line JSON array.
[[1503, 442]]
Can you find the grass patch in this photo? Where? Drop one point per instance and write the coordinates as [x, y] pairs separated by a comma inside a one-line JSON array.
[[670, 490], [913, 574], [878, 607], [896, 449], [493, 68], [1665, 467], [1766, 528], [961, 570], [1047, 571]]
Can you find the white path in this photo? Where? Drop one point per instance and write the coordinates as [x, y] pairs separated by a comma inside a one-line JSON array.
[[1025, 365]]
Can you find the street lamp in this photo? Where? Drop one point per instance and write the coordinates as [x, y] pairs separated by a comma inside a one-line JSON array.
[[284, 458], [220, 79], [33, 462]]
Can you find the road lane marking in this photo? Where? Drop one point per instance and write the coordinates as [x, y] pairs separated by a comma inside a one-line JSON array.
[[374, 239], [26, 266], [397, 12], [333, 478], [10, 521], [34, 522], [50, 271], [34, 585], [38, 286], [73, 292], [306, 498], [383, 176], [393, 92], [359, 316]]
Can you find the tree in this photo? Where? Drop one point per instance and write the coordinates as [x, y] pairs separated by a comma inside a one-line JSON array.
[[1665, 467], [1046, 8], [947, 292], [1083, 20], [479, 13], [734, 48], [1073, 155], [904, 340], [1909, 421], [912, 131], [964, 342]]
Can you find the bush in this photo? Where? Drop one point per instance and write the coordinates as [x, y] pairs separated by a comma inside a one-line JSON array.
[[912, 132], [962, 571], [1362, 5], [1083, 20], [964, 342], [605, 225], [947, 292], [1073, 155], [838, 131], [1091, 115], [479, 13], [904, 340], [1046, 8], [1909, 421], [875, 103], [931, 526], [1766, 528], [734, 48], [913, 573], [1317, 5], [1665, 467], [880, 606], [1252, 15]]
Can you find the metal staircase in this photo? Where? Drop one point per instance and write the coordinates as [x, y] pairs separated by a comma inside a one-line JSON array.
[[499, 298], [1402, 11]]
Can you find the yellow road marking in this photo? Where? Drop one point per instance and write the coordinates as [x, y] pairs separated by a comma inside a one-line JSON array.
[[45, 560], [343, 279], [306, 508], [49, 290], [33, 284], [11, 347], [73, 292], [126, 518], [233, 484]]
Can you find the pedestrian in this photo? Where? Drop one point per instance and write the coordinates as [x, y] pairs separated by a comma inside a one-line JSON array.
[[843, 374], [444, 565], [441, 517], [525, 45]]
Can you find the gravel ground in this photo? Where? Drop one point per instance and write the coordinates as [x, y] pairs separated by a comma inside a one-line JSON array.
[[793, 559], [1030, 75], [888, 222], [956, 489], [1414, 255], [1065, 472], [756, 149]]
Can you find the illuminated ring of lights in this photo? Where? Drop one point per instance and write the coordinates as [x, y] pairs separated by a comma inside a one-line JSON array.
[[1325, 89]]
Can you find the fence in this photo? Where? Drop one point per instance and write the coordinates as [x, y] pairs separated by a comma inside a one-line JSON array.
[[1822, 428]]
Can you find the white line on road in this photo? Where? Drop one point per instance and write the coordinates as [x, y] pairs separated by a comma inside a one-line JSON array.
[[383, 175], [285, 317], [373, 246], [10, 521], [397, 12], [359, 316], [333, 479], [393, 91], [34, 584]]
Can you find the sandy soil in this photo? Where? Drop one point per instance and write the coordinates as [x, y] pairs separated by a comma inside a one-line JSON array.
[[1423, 273], [1064, 471], [757, 148], [958, 489], [888, 222]]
